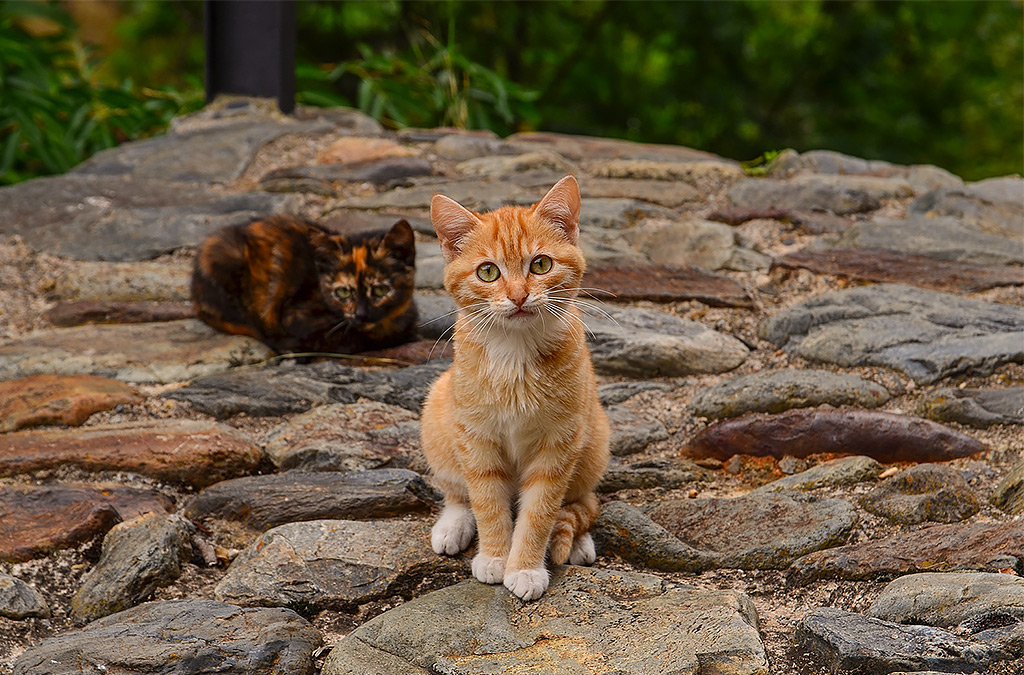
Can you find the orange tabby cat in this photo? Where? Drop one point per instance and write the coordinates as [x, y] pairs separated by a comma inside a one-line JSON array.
[[515, 425]]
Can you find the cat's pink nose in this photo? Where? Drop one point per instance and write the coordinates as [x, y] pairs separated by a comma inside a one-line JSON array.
[[518, 300]]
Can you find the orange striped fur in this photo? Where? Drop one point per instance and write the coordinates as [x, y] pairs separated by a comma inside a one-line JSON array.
[[514, 433]]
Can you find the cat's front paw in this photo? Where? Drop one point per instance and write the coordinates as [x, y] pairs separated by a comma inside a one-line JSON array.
[[488, 568], [528, 584], [583, 552], [453, 531]]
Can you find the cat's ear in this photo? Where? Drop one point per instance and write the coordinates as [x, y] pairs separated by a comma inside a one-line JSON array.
[[326, 248], [400, 242], [561, 207], [453, 223]]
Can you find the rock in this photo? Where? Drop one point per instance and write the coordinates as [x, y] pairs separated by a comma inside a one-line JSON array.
[[926, 334], [995, 205], [791, 465], [670, 474], [592, 148], [666, 283], [589, 620], [262, 502], [776, 391], [356, 149], [138, 353], [826, 162], [646, 343], [617, 214], [181, 637], [459, 147], [138, 557], [949, 598], [625, 531], [1009, 494], [42, 400], [41, 519], [670, 194], [260, 392], [690, 242], [834, 473], [437, 315], [886, 437], [336, 564], [104, 282], [835, 194], [848, 642], [633, 431], [986, 547], [418, 353], [692, 172], [403, 387], [915, 270], [979, 408], [320, 178], [19, 601], [429, 266], [477, 195], [346, 120], [177, 451], [502, 165], [346, 437], [618, 392], [92, 311], [925, 492]]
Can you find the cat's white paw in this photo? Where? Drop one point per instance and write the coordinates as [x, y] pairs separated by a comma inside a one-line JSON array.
[[453, 531], [488, 569], [528, 584], [583, 552]]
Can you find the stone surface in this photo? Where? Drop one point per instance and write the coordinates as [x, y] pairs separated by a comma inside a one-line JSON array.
[[668, 171], [780, 390], [347, 437], [591, 148], [886, 437], [979, 408], [459, 147], [356, 149], [705, 243], [181, 637], [834, 473], [633, 431], [474, 194], [664, 283], [138, 556], [625, 531], [139, 353], [259, 392], [165, 280], [39, 519], [670, 474], [1009, 494], [617, 392], [262, 502], [588, 621], [177, 451], [949, 598], [59, 399], [925, 492], [320, 178], [848, 642], [336, 564], [93, 311], [18, 600], [832, 193], [671, 194], [617, 214], [503, 165], [648, 343], [988, 547], [926, 334], [995, 205]]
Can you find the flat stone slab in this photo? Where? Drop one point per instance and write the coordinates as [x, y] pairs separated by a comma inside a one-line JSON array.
[[347, 437], [1009, 494], [980, 408], [633, 431], [926, 334], [988, 547], [37, 520], [810, 192], [668, 194], [588, 621], [165, 280], [995, 205], [177, 451], [19, 601], [886, 437], [663, 283], [320, 178], [948, 598], [262, 502], [833, 473], [336, 564], [269, 391], [925, 492], [706, 243], [41, 400], [181, 637], [591, 147], [776, 391], [138, 353], [66, 314], [656, 473], [848, 642], [474, 194]]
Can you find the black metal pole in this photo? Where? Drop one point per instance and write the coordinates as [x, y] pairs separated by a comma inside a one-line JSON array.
[[250, 49]]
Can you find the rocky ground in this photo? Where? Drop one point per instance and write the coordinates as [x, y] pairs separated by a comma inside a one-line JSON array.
[[815, 378]]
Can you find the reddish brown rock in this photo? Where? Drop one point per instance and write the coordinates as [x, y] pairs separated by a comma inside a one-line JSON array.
[[59, 399], [98, 311], [36, 520], [176, 451], [666, 283], [915, 270], [990, 547], [352, 149], [885, 437]]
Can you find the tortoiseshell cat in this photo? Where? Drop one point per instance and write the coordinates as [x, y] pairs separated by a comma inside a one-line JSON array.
[[298, 287]]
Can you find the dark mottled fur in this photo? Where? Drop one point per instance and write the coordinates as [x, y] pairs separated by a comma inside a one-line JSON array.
[[282, 281]]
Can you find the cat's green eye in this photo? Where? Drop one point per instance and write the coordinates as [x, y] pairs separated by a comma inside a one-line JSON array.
[[541, 265], [488, 272], [343, 292], [379, 291]]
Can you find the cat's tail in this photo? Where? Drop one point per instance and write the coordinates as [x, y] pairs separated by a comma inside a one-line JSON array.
[[571, 527]]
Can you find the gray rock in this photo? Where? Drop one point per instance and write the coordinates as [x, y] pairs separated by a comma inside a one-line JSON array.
[[617, 214], [336, 564], [704, 243], [850, 642], [461, 147], [688, 169], [649, 343], [503, 165], [437, 314], [477, 195], [625, 531], [262, 502], [839, 195], [138, 557], [1009, 494], [925, 492], [18, 600], [617, 392], [664, 473], [633, 431], [995, 205], [775, 391], [403, 387], [320, 178], [834, 473], [979, 408], [609, 247], [181, 637], [926, 334], [668, 194], [261, 392], [127, 282], [588, 621], [348, 121], [429, 265], [948, 599], [825, 162], [143, 353]]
